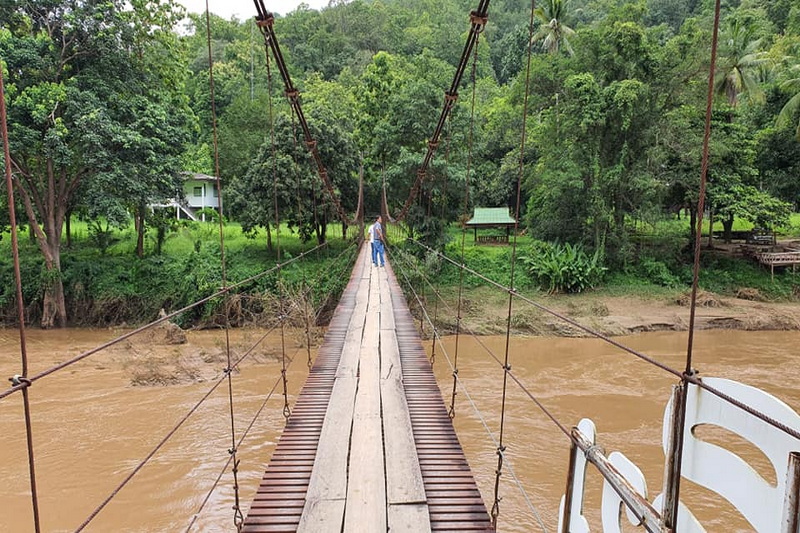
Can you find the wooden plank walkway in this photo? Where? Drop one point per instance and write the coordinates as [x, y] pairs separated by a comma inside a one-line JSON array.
[[369, 445]]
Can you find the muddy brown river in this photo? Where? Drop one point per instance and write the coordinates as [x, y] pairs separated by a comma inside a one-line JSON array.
[[92, 426]]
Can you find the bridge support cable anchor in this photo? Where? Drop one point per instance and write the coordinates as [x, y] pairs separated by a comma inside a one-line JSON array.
[[238, 517], [495, 513]]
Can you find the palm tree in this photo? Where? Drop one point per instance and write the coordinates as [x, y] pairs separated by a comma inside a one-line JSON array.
[[740, 63], [553, 32], [790, 108]]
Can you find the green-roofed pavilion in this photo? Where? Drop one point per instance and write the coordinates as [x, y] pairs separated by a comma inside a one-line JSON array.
[[490, 218]]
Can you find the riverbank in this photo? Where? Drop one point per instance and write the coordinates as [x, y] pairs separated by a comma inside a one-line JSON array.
[[485, 313]]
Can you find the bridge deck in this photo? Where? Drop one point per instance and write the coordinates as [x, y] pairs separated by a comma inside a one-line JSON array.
[[369, 445]]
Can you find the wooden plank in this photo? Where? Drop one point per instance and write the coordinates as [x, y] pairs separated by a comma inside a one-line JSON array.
[[329, 477], [403, 474], [366, 489], [348, 363], [387, 312], [409, 518], [318, 516]]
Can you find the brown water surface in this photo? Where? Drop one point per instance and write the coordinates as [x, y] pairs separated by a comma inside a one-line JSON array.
[[92, 426], [625, 397]]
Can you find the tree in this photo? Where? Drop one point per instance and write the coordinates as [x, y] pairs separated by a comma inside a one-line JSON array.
[[740, 63], [789, 111], [302, 200], [553, 33], [76, 69]]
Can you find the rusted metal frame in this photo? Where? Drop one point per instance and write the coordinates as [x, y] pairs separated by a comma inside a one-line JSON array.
[[573, 461], [638, 505], [478, 20], [20, 380], [671, 513], [791, 507], [265, 21], [672, 468]]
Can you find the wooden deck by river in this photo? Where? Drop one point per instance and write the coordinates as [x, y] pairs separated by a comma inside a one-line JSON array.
[[369, 445]]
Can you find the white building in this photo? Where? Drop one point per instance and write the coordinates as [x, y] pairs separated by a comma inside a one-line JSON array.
[[199, 192]]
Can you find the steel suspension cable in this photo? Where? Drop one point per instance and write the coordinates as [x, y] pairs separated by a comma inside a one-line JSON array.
[[443, 218], [164, 440], [471, 401], [478, 20], [470, 140], [22, 378], [28, 382], [673, 481], [506, 367], [281, 317], [693, 379], [301, 221], [241, 440], [265, 21], [238, 518]]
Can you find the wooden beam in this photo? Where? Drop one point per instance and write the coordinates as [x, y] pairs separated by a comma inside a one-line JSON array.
[[366, 488]]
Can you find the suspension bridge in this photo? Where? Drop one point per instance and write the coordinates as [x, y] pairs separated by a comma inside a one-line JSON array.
[[369, 440], [369, 444]]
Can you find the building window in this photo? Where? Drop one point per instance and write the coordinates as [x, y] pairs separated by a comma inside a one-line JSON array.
[[198, 192], [215, 192]]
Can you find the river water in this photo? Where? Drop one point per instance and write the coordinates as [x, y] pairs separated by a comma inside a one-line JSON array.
[[92, 426]]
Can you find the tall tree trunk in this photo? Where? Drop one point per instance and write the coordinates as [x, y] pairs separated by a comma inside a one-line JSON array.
[[269, 237], [48, 228], [139, 222], [54, 308], [318, 231], [67, 227], [710, 227], [727, 227]]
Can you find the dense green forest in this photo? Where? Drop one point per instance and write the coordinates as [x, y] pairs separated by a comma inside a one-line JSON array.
[[107, 105]]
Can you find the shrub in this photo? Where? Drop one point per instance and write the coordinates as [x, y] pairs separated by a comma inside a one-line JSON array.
[[563, 268], [657, 272]]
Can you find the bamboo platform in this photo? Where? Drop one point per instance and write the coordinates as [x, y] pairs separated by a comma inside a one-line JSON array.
[[369, 445]]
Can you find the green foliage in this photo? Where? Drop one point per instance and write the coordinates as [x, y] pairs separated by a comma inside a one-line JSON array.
[[111, 287], [656, 272], [563, 268]]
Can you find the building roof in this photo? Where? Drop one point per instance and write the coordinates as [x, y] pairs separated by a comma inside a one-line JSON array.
[[491, 216], [197, 176]]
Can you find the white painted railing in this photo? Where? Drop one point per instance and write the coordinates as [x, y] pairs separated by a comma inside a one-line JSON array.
[[768, 507]]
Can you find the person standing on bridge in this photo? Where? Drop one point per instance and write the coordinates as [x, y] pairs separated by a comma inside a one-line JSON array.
[[378, 242], [373, 251]]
